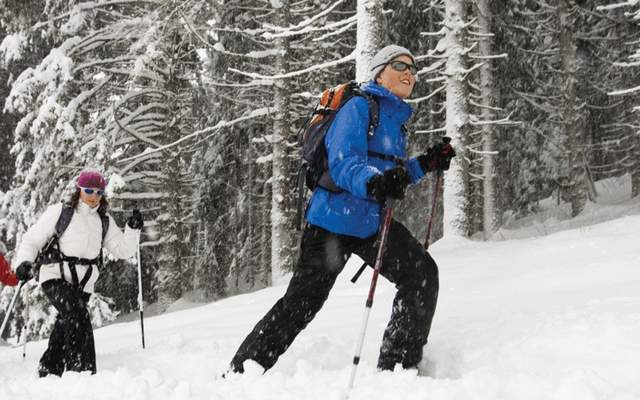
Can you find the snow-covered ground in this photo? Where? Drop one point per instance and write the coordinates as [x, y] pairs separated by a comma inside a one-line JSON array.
[[522, 317]]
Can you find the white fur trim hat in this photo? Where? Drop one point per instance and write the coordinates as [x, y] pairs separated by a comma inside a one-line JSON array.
[[384, 56]]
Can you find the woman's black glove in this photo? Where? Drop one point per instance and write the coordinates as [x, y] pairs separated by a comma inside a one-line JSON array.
[[135, 221], [24, 272], [393, 183], [438, 158]]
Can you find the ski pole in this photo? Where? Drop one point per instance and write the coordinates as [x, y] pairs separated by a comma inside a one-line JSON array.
[[372, 289], [140, 302], [10, 308], [26, 330], [439, 177]]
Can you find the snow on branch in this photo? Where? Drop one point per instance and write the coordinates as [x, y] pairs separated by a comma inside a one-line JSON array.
[[483, 152], [311, 20], [222, 124], [328, 64], [115, 60], [503, 55], [338, 32], [467, 71], [421, 99], [435, 66], [12, 46], [443, 129], [139, 136], [502, 121], [143, 195], [90, 5], [348, 21], [481, 34], [257, 82], [608, 7], [624, 91]]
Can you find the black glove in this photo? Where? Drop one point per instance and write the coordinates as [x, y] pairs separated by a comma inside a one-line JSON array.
[[392, 183], [135, 221], [24, 272], [438, 157]]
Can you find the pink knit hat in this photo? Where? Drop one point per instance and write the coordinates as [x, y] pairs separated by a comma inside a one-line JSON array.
[[91, 179]]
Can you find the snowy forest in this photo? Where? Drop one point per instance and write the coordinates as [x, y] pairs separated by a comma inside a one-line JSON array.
[[192, 109]]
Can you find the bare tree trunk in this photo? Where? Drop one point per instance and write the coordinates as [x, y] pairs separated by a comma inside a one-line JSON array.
[[281, 213], [265, 237], [370, 35], [571, 119], [488, 102], [457, 117]]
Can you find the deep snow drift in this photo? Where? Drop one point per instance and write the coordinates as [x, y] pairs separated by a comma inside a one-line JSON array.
[[546, 317]]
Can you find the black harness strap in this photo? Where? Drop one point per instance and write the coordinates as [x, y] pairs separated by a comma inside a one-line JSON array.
[[52, 254], [386, 157], [87, 276], [74, 273]]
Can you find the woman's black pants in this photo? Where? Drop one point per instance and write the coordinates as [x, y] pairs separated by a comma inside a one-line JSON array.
[[71, 346], [323, 255]]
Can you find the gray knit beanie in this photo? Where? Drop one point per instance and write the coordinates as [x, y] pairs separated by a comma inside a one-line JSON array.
[[383, 57]]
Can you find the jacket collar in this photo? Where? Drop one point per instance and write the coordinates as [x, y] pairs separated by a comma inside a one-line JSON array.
[[84, 209], [401, 110]]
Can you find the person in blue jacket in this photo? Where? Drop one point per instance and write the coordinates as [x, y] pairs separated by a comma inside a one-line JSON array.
[[369, 170]]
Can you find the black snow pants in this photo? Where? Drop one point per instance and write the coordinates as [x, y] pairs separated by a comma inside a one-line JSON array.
[[71, 346], [322, 257]]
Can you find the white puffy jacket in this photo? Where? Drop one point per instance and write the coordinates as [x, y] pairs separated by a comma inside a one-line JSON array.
[[81, 239]]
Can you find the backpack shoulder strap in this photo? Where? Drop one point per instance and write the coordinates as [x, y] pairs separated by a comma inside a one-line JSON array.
[[373, 110], [104, 218], [64, 220]]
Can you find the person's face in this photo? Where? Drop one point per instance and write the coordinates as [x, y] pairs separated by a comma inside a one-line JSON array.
[[91, 196], [400, 83]]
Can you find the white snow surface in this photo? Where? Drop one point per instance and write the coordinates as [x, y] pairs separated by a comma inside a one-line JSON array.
[[540, 317]]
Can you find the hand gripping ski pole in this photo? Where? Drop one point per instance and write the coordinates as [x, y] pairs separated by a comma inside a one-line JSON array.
[[140, 302], [7, 313], [388, 216]]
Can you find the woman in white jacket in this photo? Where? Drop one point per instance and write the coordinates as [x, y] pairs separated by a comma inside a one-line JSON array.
[[69, 267]]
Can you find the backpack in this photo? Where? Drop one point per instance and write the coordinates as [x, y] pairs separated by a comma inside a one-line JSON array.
[[52, 254], [314, 167]]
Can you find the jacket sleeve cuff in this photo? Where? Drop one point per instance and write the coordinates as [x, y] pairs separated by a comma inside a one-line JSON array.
[[414, 170], [368, 173]]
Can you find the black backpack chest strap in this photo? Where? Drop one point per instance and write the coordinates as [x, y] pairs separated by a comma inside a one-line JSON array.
[[386, 157]]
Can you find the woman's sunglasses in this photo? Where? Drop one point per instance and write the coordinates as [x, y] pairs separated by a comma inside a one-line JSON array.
[[99, 192], [402, 66]]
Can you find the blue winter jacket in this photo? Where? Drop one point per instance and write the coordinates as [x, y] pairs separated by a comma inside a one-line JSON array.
[[352, 212]]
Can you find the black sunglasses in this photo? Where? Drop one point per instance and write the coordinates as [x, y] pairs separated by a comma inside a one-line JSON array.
[[99, 192], [402, 66]]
